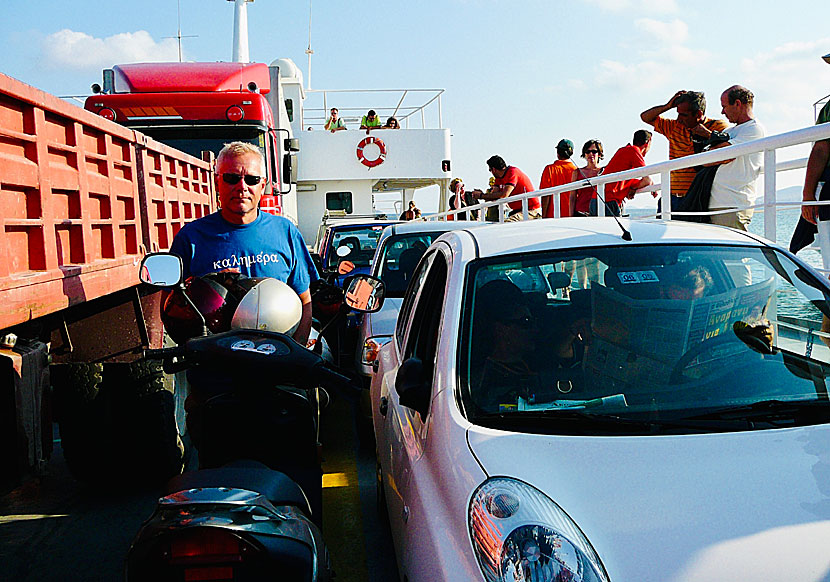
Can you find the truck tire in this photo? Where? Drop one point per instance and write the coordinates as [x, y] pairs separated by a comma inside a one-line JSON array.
[[143, 409], [80, 415]]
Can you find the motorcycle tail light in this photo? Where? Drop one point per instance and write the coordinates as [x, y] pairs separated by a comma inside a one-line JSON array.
[[206, 544]]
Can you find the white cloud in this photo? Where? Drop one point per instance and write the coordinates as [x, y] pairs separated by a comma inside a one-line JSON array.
[[644, 6], [786, 80], [77, 50], [614, 75], [675, 32]]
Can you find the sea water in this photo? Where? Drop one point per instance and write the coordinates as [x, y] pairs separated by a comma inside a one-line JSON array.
[[788, 303]]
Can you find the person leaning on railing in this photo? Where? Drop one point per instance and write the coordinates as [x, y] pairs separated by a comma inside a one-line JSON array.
[[687, 135], [734, 184], [334, 123]]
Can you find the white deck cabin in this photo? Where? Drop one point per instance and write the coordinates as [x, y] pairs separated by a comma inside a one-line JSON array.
[[330, 174]]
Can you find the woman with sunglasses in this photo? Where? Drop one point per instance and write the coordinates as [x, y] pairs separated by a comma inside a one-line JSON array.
[[581, 199], [391, 123]]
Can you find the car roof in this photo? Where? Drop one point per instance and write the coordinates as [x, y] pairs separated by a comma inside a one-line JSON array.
[[562, 233], [358, 223], [414, 226]]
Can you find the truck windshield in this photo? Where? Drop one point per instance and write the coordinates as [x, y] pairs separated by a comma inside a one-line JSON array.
[[194, 139]]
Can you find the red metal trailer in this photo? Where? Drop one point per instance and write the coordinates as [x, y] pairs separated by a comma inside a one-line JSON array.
[[83, 199]]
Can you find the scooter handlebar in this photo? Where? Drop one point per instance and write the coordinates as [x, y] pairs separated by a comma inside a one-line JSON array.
[[164, 353], [331, 379]]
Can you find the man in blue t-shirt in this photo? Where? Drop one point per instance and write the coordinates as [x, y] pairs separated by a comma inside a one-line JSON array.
[[240, 238]]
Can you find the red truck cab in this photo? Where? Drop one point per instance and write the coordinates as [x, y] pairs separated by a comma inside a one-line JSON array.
[[198, 107]]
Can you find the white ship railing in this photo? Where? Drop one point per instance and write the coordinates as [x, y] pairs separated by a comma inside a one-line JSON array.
[[768, 146], [386, 103]]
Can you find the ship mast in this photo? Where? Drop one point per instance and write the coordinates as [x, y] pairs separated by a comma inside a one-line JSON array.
[[240, 31], [308, 51]]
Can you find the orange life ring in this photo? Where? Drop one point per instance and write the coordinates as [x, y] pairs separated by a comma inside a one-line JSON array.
[[363, 159]]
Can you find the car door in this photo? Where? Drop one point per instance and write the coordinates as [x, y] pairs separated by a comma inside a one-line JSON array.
[[407, 427]]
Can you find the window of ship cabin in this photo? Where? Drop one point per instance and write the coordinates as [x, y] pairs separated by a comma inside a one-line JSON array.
[[339, 201], [289, 107]]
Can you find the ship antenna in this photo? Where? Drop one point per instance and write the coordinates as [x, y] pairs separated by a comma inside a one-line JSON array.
[[308, 51], [179, 36]]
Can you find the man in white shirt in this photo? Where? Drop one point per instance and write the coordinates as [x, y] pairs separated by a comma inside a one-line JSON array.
[[734, 184]]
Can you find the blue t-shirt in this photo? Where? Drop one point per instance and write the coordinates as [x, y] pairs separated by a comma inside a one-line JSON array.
[[270, 246]]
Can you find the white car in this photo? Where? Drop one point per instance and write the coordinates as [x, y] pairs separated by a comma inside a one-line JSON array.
[[558, 403], [399, 249]]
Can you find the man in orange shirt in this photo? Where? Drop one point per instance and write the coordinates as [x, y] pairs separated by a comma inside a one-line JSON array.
[[687, 134], [557, 174]]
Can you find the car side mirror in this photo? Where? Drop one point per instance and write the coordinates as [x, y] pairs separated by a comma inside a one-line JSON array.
[[364, 293], [413, 391]]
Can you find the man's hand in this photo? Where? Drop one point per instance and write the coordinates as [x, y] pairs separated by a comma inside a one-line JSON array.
[[650, 115], [673, 101], [701, 130], [809, 213]]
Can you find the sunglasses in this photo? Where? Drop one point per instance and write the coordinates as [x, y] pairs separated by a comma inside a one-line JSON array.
[[591, 151], [250, 180]]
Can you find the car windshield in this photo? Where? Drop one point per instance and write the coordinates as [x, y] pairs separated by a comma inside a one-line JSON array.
[[399, 257], [361, 242], [644, 338]]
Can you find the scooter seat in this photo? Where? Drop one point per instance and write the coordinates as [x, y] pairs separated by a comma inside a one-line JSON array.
[[276, 487]]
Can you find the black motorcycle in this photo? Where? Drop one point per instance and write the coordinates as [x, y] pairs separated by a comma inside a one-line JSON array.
[[253, 509]]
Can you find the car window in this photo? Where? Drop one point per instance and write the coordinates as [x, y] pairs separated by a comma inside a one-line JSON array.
[[362, 242], [646, 332], [404, 315], [398, 258], [425, 327]]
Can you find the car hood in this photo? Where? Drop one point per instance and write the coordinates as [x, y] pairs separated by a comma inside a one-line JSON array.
[[729, 506], [383, 322]]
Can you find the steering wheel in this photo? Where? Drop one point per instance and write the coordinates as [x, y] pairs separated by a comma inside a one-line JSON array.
[[677, 377]]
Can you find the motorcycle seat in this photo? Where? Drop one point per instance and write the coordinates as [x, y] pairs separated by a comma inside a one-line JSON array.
[[275, 486]]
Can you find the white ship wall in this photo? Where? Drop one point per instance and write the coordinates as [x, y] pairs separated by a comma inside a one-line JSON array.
[[410, 153]]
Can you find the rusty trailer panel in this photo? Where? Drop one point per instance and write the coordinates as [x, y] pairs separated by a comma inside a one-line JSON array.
[[82, 199]]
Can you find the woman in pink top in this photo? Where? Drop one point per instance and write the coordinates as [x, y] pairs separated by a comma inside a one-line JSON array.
[[581, 199]]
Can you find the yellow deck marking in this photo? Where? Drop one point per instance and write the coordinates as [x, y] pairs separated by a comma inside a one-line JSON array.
[[335, 480], [342, 520]]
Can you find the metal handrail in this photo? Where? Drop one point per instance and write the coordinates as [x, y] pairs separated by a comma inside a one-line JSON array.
[[317, 116], [767, 145]]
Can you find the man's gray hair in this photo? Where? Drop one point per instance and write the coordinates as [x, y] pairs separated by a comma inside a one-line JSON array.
[[237, 149]]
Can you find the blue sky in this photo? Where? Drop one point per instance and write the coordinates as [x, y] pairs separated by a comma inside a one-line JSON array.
[[518, 75]]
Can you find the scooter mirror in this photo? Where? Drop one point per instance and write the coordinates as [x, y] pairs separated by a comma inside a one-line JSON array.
[[161, 269], [364, 293]]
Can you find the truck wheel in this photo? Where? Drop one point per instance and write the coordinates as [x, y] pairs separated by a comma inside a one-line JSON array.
[[80, 417], [143, 409]]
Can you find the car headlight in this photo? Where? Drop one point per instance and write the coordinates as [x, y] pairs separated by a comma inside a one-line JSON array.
[[371, 347], [519, 533]]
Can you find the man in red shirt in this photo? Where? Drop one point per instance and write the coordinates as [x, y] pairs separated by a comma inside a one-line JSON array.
[[627, 157], [510, 181], [557, 174]]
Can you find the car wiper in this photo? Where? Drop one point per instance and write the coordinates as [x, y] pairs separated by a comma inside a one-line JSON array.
[[566, 416], [770, 410]]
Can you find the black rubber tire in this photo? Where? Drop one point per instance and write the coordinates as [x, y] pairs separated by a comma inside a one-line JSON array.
[[81, 418], [143, 416]]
